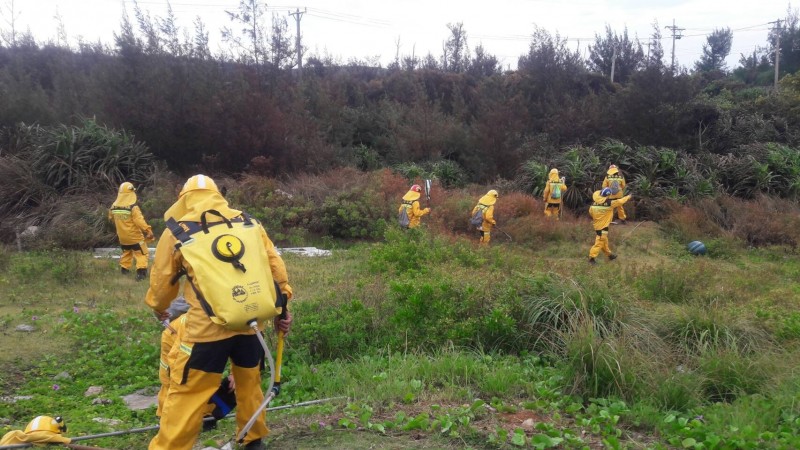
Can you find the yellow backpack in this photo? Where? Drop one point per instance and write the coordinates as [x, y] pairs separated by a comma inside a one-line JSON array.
[[232, 276]]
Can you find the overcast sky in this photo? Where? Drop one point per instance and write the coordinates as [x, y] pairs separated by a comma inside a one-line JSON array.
[[348, 29]]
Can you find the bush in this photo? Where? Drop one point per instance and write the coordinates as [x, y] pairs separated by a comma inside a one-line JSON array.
[[330, 332]]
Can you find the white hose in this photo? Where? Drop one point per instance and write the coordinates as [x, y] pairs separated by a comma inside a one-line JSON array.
[[269, 395]]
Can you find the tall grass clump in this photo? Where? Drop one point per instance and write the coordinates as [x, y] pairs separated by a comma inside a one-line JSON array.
[[553, 306], [698, 329], [47, 166], [670, 284]]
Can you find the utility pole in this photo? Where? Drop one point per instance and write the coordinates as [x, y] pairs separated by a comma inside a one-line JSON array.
[[676, 34], [298, 15], [613, 63], [777, 51]]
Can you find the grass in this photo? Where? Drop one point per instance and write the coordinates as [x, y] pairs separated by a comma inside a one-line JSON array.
[[437, 343]]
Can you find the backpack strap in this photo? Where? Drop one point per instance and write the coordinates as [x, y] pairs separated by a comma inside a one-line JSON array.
[[182, 234]]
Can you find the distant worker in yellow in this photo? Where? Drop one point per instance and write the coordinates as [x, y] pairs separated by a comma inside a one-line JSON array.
[[554, 191], [602, 211], [132, 231], [616, 182], [409, 211], [483, 216]]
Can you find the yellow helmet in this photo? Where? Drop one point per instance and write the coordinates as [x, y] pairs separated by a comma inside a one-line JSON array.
[[199, 182], [126, 187], [493, 193], [47, 423]]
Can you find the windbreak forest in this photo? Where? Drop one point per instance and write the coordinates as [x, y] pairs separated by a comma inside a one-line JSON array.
[[82, 118]]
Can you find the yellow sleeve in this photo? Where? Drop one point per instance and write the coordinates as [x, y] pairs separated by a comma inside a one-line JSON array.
[[620, 201], [138, 219], [606, 183], [563, 187], [277, 266], [166, 266], [489, 215], [416, 211], [546, 191]]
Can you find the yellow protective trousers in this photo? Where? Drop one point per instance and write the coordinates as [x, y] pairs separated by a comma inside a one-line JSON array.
[[486, 236], [600, 244], [552, 209], [138, 251], [195, 374], [621, 212]]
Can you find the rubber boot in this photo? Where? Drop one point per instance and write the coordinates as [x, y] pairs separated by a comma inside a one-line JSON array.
[[124, 271], [592, 261], [141, 274], [612, 257], [255, 445]]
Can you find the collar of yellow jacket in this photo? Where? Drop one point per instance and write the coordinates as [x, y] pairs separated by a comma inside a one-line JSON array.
[[33, 437], [553, 176], [411, 196], [597, 198], [489, 199], [125, 199], [612, 170], [191, 205]]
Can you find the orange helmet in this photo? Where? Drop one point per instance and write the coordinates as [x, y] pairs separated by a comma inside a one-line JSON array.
[[416, 188]]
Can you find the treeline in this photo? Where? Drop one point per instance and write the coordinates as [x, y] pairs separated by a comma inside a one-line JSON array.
[[251, 111]]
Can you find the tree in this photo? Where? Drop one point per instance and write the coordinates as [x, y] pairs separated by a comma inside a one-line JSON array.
[[456, 51], [655, 50], [790, 43], [249, 42], [715, 50], [755, 68], [282, 54], [483, 64], [628, 53]]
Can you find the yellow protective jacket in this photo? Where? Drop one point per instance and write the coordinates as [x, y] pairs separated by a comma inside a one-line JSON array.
[[127, 217], [487, 201], [602, 210], [33, 437], [164, 287], [552, 180], [411, 202], [614, 175]]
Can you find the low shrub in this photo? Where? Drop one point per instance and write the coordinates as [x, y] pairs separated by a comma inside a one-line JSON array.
[[417, 251], [329, 332]]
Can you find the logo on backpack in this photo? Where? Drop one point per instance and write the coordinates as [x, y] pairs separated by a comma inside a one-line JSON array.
[[238, 294], [477, 219], [220, 255], [555, 190]]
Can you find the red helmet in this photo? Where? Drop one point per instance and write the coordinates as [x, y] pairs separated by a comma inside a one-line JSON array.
[[416, 188]]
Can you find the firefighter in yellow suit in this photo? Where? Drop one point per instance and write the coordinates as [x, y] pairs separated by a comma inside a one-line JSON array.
[[198, 360], [616, 182], [411, 203], [554, 191], [132, 231], [486, 203], [602, 211]]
